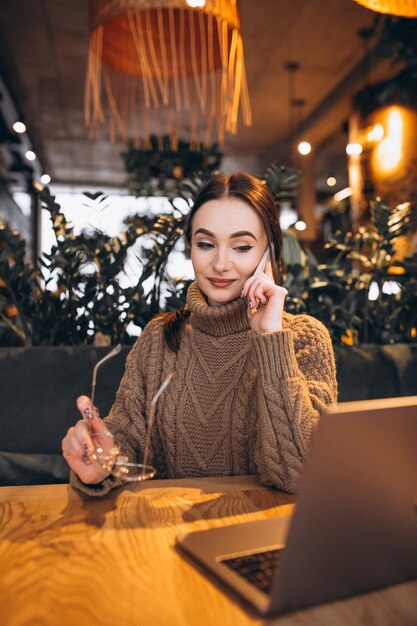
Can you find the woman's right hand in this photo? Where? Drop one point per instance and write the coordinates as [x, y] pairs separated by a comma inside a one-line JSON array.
[[79, 443]]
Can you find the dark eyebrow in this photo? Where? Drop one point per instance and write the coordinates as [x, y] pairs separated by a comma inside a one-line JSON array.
[[240, 233], [204, 231], [243, 233]]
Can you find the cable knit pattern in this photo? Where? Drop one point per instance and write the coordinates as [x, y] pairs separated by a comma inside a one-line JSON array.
[[239, 403]]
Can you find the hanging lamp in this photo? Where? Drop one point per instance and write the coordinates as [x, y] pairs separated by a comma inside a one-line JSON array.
[[164, 67], [401, 8]]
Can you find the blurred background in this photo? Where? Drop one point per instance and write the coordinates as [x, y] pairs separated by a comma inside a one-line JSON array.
[[138, 102]]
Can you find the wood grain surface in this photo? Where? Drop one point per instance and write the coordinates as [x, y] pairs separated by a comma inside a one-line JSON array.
[[70, 561]]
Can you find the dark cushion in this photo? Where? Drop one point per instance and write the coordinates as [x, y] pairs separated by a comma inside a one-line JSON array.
[[371, 371], [39, 387], [32, 469]]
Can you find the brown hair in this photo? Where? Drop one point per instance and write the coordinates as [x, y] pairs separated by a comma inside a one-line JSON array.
[[255, 193]]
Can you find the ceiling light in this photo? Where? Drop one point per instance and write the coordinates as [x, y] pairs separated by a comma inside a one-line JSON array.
[[331, 181], [30, 155], [166, 56], [402, 8], [19, 127], [353, 149], [342, 194], [304, 148], [45, 179], [300, 225]]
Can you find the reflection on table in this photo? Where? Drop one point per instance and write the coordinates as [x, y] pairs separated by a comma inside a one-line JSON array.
[[66, 560]]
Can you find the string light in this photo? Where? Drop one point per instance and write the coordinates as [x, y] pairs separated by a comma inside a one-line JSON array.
[[45, 179], [19, 127], [304, 148], [331, 181], [300, 225], [354, 149], [30, 155]]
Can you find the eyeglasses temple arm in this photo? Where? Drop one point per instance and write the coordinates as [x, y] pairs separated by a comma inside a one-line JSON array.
[[111, 354], [152, 418]]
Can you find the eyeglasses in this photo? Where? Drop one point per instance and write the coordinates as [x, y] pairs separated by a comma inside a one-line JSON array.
[[107, 451]]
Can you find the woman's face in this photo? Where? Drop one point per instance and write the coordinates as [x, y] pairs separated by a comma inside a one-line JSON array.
[[227, 242]]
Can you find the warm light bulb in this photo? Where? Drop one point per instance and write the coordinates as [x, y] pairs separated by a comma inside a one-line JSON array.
[[30, 155], [300, 225], [389, 151], [331, 181], [354, 149], [45, 179], [375, 134], [19, 127], [304, 148], [196, 3], [343, 194]]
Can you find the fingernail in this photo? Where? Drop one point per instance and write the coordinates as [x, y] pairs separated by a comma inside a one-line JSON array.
[[241, 293], [250, 305], [86, 456], [263, 301], [87, 412]]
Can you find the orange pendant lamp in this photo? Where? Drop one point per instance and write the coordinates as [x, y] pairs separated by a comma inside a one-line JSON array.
[[401, 8], [165, 67]]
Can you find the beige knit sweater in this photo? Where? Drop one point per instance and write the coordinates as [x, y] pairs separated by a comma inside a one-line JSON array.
[[239, 402]]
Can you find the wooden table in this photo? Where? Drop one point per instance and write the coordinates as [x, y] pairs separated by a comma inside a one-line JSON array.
[[69, 561]]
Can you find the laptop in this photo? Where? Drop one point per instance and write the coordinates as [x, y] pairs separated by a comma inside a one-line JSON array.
[[354, 528]]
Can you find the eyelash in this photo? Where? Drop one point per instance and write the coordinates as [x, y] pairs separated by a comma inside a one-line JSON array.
[[205, 245]]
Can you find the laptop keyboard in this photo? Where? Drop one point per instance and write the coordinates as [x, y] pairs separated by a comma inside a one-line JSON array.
[[259, 568]]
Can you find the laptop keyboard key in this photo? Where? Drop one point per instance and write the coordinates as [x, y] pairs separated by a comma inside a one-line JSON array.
[[258, 568]]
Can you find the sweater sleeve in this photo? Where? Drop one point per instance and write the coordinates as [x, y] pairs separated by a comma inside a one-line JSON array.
[[127, 417], [296, 382]]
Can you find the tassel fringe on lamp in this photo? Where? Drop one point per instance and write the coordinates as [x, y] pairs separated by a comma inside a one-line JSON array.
[[401, 8], [163, 67]]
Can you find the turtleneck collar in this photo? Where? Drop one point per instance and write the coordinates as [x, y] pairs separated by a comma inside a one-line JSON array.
[[218, 321]]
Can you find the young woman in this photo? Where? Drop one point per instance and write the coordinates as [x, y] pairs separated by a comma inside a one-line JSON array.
[[250, 381]]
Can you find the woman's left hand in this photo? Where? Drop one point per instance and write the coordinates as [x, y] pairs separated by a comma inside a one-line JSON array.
[[265, 301]]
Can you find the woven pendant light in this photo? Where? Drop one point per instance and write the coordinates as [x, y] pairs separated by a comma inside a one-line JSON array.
[[163, 67], [402, 8]]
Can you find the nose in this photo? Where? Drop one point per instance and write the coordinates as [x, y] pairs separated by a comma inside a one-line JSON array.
[[221, 261]]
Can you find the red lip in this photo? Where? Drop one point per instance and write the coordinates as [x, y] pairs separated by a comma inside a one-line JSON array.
[[221, 282]]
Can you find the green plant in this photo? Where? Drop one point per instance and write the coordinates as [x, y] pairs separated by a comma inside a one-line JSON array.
[[339, 294], [82, 298], [19, 287], [397, 39], [159, 169], [282, 181]]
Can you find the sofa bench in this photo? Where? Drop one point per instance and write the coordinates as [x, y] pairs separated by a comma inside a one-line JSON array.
[[38, 388]]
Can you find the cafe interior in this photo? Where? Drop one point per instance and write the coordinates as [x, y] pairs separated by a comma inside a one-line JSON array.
[[114, 115]]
